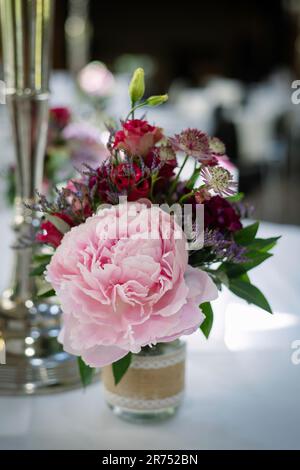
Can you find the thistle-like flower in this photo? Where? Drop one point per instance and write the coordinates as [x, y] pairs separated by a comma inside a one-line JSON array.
[[194, 143], [166, 153], [219, 180], [216, 146]]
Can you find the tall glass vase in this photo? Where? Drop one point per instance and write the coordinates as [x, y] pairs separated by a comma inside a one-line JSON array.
[[35, 362]]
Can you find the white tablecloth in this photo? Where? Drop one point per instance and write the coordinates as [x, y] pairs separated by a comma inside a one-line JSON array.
[[242, 393]]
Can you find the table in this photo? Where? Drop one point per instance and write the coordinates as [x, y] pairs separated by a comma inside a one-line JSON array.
[[242, 392]]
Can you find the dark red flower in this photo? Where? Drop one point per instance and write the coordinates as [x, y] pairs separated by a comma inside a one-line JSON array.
[[60, 117], [99, 182], [166, 169], [140, 191], [219, 214], [49, 234], [129, 178]]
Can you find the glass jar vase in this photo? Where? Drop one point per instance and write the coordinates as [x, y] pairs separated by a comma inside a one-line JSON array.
[[153, 386]]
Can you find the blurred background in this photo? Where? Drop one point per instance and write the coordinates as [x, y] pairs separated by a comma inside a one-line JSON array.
[[228, 67]]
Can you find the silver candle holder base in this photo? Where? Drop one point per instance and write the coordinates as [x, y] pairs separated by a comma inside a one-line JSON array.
[[35, 361]]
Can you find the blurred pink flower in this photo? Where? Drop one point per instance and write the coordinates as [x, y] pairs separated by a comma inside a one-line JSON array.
[[96, 80], [85, 144]]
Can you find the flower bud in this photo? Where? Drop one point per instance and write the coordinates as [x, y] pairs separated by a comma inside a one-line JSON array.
[[137, 85], [157, 100]]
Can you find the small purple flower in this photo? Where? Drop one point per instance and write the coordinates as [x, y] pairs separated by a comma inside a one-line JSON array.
[[224, 249]]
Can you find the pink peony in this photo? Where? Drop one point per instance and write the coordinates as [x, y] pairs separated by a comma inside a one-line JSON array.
[[137, 137], [127, 289]]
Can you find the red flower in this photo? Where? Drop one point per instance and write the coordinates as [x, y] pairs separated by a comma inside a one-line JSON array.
[[137, 137], [60, 117], [140, 191], [49, 234], [129, 178], [219, 213], [99, 183]]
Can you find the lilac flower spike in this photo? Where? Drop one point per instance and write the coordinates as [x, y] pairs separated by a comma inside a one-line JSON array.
[[223, 248]]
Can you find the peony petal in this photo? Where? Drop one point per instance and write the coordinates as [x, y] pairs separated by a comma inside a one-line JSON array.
[[101, 356], [201, 287]]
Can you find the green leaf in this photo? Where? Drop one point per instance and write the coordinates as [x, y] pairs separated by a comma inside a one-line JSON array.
[[206, 326], [236, 197], [235, 270], [247, 234], [244, 277], [38, 270], [45, 291], [86, 372], [49, 293], [120, 367], [60, 224], [42, 258], [256, 258], [250, 293], [40, 262], [263, 244], [222, 277]]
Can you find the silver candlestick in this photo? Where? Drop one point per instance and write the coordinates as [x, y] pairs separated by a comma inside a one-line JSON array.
[[35, 362]]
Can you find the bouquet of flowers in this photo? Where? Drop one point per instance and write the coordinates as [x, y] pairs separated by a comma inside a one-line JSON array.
[[126, 270]]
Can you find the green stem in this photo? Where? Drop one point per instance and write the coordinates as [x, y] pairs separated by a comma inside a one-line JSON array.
[[131, 112], [152, 185], [132, 109], [185, 196], [173, 185]]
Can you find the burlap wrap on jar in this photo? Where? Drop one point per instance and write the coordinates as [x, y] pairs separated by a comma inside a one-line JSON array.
[[154, 381]]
